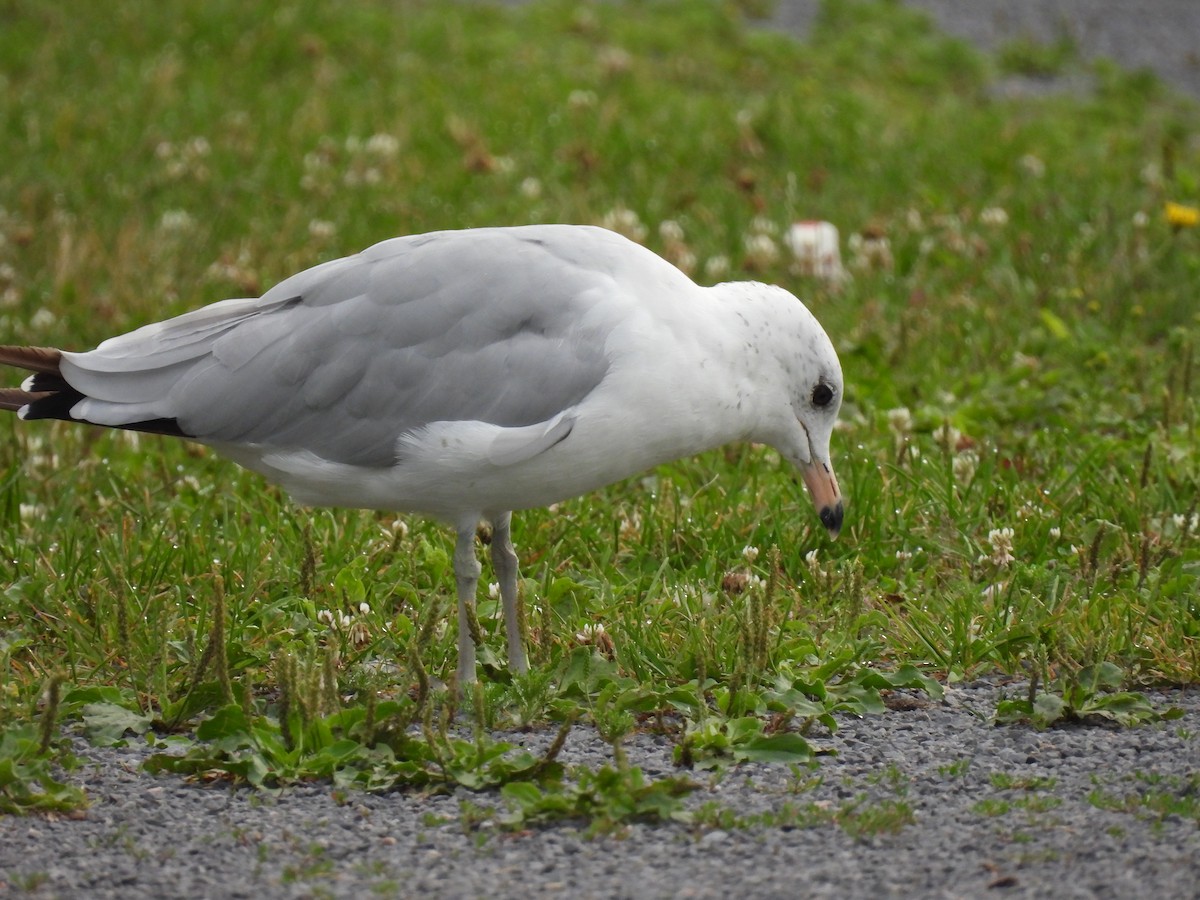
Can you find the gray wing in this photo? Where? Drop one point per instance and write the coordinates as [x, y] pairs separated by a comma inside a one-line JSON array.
[[486, 325]]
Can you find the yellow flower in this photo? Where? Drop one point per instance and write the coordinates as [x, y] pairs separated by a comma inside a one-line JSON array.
[[1180, 216]]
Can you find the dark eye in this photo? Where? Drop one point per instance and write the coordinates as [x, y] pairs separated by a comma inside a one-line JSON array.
[[822, 395]]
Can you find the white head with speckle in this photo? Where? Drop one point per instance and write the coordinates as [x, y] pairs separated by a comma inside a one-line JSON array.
[[800, 423]]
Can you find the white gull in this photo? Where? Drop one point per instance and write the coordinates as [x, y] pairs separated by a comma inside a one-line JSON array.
[[464, 375]]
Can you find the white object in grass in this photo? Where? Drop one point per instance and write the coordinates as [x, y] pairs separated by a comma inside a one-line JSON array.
[[817, 250]]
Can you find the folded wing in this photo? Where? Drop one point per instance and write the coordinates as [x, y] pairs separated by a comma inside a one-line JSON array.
[[345, 359]]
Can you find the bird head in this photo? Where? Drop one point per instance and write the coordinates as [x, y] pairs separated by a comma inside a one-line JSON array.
[[814, 377]]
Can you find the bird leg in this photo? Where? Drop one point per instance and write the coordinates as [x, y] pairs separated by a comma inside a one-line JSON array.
[[466, 577], [504, 563]]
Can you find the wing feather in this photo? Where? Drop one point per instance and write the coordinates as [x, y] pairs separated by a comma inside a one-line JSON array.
[[343, 360]]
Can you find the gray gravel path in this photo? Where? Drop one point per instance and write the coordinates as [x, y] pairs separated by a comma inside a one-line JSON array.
[[147, 836], [995, 811], [1162, 36]]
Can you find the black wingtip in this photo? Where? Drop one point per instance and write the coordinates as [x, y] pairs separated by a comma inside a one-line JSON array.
[[58, 405], [47, 395]]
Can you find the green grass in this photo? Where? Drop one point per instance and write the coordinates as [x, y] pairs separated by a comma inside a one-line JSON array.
[[1036, 59], [1162, 798], [1037, 320]]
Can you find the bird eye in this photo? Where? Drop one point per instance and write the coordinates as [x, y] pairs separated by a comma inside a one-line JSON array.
[[822, 395]]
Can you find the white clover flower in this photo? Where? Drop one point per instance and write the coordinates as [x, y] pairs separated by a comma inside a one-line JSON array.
[[595, 636], [763, 225], [176, 221], [316, 164], [870, 252], [197, 146], [1001, 540], [749, 553], [590, 633], [581, 99], [1032, 165], [364, 608], [761, 250], [624, 221], [325, 616], [994, 217], [531, 188], [494, 590], [1055, 532], [670, 230], [947, 435], [716, 267], [359, 635], [683, 258], [386, 145], [614, 60], [630, 526], [810, 559], [964, 466], [42, 319], [321, 228], [900, 420]]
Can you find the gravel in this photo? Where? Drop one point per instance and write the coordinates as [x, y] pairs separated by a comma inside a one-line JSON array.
[[1159, 36], [1070, 826], [1006, 810]]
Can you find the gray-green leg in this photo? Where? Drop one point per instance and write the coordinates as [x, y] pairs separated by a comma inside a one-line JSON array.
[[504, 562], [466, 577]]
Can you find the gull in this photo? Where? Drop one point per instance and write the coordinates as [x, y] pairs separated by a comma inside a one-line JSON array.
[[464, 375]]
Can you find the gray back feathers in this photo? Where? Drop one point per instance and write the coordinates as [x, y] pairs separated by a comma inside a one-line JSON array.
[[345, 358]]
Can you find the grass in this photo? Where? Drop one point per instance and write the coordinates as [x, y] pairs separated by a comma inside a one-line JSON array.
[[1159, 799], [1019, 439]]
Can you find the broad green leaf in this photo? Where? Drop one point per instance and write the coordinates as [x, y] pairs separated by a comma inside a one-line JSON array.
[[1047, 709], [775, 748], [107, 723]]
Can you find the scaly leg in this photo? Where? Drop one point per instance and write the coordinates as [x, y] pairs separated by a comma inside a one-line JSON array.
[[466, 577], [504, 562]]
